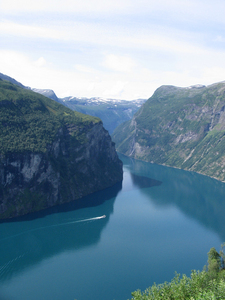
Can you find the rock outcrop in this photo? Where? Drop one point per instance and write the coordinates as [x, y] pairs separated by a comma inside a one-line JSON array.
[[179, 127], [77, 158]]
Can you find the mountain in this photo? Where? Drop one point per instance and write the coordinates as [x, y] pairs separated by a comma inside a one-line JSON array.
[[12, 80], [179, 127], [49, 154], [47, 93], [112, 112]]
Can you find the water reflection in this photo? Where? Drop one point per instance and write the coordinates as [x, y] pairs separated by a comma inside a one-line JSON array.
[[26, 241], [144, 182], [143, 238], [200, 197]]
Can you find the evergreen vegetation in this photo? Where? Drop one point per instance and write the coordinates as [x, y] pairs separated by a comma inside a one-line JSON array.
[[206, 285], [30, 121], [49, 154]]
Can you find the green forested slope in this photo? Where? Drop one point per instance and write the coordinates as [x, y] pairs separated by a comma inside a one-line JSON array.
[[49, 154], [206, 285], [179, 127], [30, 121]]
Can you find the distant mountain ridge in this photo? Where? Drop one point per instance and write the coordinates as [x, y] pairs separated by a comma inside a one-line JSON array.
[[48, 93], [112, 112], [179, 127], [12, 80]]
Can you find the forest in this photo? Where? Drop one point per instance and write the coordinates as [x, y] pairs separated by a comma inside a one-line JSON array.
[[208, 284]]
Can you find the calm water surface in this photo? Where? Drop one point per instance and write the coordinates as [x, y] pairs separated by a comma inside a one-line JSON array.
[[158, 221]]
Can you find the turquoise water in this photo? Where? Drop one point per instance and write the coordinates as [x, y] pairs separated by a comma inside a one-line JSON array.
[[158, 221]]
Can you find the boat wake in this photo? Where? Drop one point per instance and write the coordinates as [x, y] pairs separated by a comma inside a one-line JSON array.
[[84, 220], [55, 225]]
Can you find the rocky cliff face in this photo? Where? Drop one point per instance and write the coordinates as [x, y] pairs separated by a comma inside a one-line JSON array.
[[33, 181], [179, 127], [79, 159]]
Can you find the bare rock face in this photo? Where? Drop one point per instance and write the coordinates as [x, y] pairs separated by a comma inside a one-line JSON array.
[[34, 181]]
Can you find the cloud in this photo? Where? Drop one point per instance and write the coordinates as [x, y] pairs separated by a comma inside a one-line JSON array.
[[123, 48], [219, 38], [116, 90], [85, 69], [82, 81], [176, 8], [30, 31], [94, 34], [118, 63], [40, 62], [173, 11], [34, 73], [214, 74], [74, 6], [12, 62]]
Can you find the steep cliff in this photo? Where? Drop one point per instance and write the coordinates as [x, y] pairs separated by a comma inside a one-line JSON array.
[[49, 154], [179, 127]]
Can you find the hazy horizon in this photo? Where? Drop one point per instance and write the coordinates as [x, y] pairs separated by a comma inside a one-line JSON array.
[[115, 49]]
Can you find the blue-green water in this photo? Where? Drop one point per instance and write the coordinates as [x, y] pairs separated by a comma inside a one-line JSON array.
[[160, 220]]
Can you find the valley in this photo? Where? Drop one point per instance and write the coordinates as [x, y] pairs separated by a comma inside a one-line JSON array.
[[67, 197]]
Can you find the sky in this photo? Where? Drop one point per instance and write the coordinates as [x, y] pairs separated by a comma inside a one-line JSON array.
[[121, 49]]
